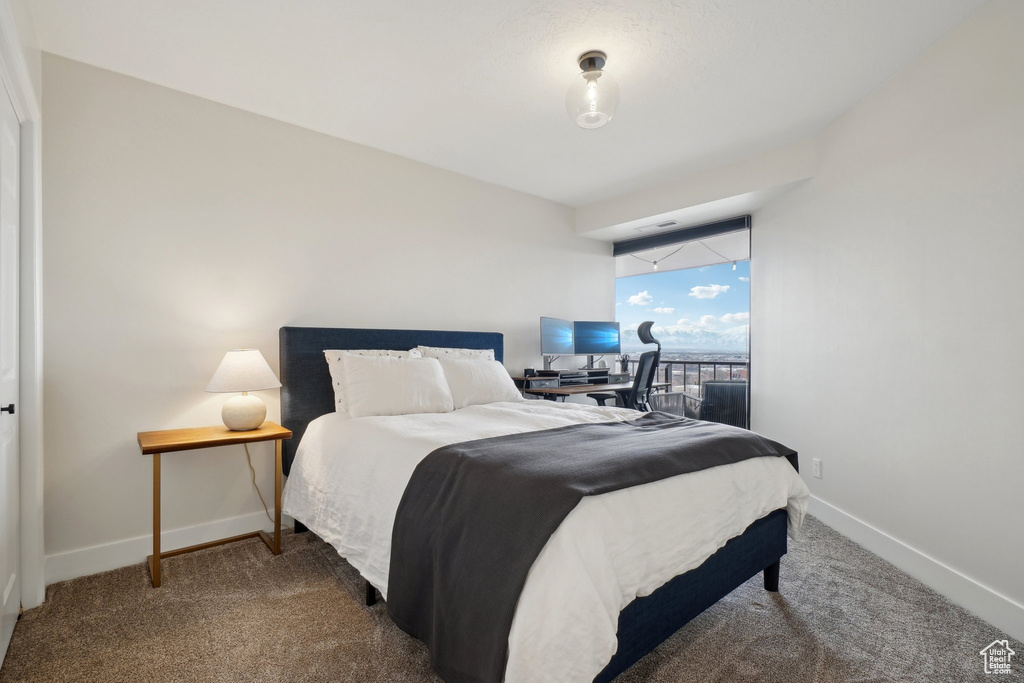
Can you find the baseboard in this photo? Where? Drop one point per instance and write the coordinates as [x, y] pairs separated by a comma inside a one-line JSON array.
[[101, 558], [1002, 612]]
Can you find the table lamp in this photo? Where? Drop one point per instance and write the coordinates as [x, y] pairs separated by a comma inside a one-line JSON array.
[[243, 370]]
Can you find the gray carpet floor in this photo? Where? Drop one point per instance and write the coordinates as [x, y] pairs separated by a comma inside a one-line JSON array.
[[236, 613]]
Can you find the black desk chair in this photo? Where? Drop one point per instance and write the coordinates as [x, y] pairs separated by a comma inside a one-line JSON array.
[[602, 399], [638, 397]]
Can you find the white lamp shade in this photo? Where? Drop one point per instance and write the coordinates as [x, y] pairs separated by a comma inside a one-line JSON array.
[[243, 370]]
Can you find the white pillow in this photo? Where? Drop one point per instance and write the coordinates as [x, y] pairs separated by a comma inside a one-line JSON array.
[[382, 385], [455, 354], [475, 382], [337, 373]]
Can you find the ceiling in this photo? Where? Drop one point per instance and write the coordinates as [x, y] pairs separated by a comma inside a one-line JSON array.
[[478, 86], [690, 216]]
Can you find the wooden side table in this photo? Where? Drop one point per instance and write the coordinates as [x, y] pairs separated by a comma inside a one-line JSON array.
[[171, 440]]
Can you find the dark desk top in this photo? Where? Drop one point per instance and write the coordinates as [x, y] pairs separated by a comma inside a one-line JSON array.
[[592, 388], [521, 378]]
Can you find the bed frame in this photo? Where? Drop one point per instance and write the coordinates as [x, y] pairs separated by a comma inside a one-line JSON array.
[[306, 394]]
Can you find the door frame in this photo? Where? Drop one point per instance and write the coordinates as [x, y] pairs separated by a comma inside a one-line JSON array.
[[16, 79]]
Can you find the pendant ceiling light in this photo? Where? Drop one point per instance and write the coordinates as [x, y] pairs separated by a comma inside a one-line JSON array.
[[594, 96]]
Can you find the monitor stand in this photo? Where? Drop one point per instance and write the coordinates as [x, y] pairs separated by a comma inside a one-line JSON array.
[[588, 366]]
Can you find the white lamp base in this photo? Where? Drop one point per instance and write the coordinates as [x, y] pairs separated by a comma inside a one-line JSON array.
[[244, 412]]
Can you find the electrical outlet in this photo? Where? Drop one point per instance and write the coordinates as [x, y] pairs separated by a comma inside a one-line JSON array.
[[816, 467]]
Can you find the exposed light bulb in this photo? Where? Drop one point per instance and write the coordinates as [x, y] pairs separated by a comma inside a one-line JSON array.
[[592, 102], [655, 265], [734, 265]]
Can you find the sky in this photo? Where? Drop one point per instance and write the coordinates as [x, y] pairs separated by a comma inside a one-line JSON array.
[[696, 309]]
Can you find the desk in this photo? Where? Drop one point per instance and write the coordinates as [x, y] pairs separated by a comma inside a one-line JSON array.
[[621, 388], [554, 381]]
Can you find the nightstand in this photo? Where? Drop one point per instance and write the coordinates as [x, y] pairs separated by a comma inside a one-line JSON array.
[[172, 440]]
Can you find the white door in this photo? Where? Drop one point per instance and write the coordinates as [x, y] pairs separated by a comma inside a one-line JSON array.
[[10, 584]]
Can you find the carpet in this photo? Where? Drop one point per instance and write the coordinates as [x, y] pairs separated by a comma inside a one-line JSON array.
[[236, 613]]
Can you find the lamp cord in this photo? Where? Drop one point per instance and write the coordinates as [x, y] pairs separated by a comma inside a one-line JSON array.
[[248, 459]]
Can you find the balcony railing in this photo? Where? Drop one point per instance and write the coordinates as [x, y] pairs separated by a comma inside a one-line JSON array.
[[688, 375]]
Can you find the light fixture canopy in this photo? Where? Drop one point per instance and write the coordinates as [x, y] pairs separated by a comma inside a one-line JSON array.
[[594, 96]]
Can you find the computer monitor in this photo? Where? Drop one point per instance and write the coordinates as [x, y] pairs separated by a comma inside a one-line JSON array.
[[556, 337], [596, 338]]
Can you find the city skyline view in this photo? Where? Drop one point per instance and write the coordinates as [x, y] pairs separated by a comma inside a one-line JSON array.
[[699, 310]]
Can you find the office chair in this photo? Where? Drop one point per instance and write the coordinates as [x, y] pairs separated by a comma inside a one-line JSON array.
[[638, 397]]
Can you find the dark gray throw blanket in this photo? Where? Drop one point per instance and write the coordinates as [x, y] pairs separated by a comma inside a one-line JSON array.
[[476, 515]]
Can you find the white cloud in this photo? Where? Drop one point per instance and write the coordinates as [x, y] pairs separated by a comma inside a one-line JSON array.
[[618, 303], [708, 292], [641, 299], [735, 318], [744, 279], [665, 310]]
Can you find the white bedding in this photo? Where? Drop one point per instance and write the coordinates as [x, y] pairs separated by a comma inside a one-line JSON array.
[[349, 475]]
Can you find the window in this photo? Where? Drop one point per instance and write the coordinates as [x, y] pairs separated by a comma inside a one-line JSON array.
[[699, 299]]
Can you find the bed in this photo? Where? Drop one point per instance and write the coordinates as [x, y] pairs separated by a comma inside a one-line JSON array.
[[346, 478]]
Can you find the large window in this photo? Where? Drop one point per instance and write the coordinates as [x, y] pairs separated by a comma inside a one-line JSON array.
[[701, 313]]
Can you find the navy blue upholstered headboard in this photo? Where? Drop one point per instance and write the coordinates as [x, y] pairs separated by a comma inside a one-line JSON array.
[[306, 391]]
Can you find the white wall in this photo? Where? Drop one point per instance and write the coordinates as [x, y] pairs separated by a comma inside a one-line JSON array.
[[888, 324], [710, 190], [176, 228], [21, 12]]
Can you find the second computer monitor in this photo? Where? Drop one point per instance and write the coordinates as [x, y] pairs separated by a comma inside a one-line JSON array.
[[596, 338]]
